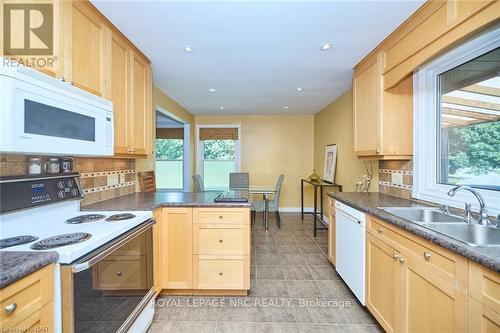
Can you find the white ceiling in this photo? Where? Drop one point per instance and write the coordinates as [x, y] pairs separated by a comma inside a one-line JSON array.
[[255, 53]]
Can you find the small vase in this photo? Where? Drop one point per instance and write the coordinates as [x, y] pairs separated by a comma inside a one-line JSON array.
[[314, 177]]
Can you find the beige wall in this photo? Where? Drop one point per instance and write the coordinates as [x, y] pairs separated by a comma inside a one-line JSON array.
[[334, 124], [162, 100], [271, 145]]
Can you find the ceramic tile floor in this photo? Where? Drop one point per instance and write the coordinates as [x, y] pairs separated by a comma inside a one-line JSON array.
[[294, 288]]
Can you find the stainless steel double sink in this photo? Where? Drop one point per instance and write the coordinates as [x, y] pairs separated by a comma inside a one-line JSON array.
[[449, 225]]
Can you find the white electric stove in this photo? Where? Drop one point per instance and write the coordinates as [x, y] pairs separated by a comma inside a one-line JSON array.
[[43, 214]]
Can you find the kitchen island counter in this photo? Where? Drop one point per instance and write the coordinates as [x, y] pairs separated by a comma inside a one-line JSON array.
[[144, 201]]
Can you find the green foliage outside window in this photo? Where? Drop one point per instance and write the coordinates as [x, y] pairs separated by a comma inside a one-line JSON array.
[[219, 149], [169, 149], [475, 147]]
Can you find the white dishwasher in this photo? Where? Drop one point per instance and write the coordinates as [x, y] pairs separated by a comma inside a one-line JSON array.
[[350, 248]]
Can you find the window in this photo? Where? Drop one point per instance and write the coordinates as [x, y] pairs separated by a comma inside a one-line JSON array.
[[169, 163], [457, 123], [218, 155]]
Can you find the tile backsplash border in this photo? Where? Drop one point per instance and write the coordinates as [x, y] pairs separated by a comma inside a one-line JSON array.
[[385, 184], [101, 178]]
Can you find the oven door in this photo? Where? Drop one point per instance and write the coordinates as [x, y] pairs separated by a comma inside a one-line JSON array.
[[106, 290]]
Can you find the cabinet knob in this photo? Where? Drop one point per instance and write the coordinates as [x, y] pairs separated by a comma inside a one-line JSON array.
[[221, 273], [119, 273], [62, 79], [427, 255], [70, 82], [396, 256], [379, 230], [402, 260], [11, 308], [221, 217], [221, 240]]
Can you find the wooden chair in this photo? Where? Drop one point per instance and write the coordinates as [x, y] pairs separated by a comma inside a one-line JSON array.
[[147, 181]]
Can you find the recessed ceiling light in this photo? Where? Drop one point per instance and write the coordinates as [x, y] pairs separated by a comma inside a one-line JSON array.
[[222, 108], [188, 48], [298, 89], [212, 90], [285, 107], [326, 46]]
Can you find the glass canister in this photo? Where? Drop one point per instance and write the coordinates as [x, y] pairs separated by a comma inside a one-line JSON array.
[[52, 165], [35, 166]]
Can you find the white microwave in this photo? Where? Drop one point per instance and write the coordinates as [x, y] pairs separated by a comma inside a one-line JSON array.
[[42, 115]]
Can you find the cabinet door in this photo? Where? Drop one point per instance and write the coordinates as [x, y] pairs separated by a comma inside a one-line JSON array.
[[366, 108], [120, 77], [382, 282], [176, 248], [426, 296], [482, 319], [87, 51], [331, 231], [141, 104]]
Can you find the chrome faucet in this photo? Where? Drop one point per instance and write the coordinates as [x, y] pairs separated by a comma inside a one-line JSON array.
[[483, 215]]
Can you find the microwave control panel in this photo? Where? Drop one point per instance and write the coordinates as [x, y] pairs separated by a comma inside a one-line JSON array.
[[36, 191]]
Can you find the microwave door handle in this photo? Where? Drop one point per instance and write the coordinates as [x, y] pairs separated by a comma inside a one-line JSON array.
[[94, 258]]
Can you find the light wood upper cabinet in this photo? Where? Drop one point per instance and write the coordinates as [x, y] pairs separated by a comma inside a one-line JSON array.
[[86, 47], [141, 104], [382, 118], [120, 78], [366, 86]]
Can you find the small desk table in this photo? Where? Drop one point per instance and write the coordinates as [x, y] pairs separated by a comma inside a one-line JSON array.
[[317, 217]]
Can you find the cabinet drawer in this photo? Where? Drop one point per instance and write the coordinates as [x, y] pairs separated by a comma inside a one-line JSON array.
[[121, 274], [211, 272], [217, 215], [444, 263], [484, 285], [220, 239], [26, 296]]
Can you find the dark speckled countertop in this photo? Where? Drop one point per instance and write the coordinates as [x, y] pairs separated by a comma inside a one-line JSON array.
[[151, 200], [369, 203], [14, 265]]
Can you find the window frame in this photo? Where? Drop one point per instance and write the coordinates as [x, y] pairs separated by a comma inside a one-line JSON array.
[[426, 125], [200, 148]]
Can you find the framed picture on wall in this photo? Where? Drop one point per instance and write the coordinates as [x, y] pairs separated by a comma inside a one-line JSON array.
[[330, 163]]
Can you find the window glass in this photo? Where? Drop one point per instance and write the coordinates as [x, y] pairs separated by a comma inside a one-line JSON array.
[[469, 145], [169, 163], [219, 159]]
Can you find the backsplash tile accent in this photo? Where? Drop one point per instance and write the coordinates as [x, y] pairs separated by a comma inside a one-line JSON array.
[[385, 184], [94, 175]]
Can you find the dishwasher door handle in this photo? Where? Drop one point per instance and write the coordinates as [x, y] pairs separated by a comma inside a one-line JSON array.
[[350, 217]]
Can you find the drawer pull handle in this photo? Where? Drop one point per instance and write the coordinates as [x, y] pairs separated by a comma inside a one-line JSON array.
[[119, 273], [221, 273], [221, 240], [11, 308], [427, 255], [379, 230], [396, 256], [221, 217], [402, 260]]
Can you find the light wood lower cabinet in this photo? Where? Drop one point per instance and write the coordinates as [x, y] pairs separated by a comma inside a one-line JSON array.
[[410, 292], [202, 250], [176, 249], [331, 230], [31, 301], [383, 282], [484, 299], [481, 318]]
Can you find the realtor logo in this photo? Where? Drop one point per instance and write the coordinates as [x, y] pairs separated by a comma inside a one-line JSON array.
[[28, 29]]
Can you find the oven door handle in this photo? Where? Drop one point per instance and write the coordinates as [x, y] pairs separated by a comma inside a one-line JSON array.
[[95, 257]]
